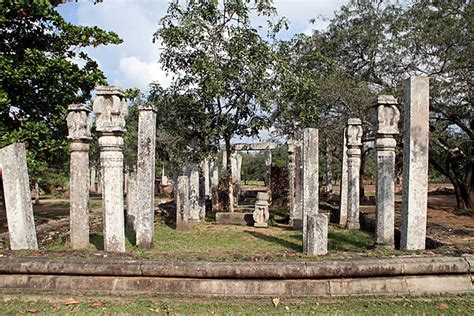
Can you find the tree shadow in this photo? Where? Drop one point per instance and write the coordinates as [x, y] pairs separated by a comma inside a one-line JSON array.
[[131, 235], [97, 240], [276, 240]]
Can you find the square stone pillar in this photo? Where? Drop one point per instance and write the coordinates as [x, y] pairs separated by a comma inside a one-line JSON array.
[[310, 178], [268, 165], [239, 174], [194, 205], [354, 144], [146, 175], [79, 126], [386, 121], [415, 163], [110, 110], [291, 179], [224, 160], [343, 190], [205, 171], [329, 178], [298, 212], [131, 201], [93, 175], [214, 185], [17, 194], [202, 190], [182, 203], [317, 239]]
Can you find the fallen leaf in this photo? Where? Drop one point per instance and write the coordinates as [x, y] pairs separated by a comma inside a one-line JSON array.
[[32, 310], [95, 304], [442, 306], [276, 301], [71, 301]]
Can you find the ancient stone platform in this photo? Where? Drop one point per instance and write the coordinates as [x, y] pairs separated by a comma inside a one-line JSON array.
[[408, 275]]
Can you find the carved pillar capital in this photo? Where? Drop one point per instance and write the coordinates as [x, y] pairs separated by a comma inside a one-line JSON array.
[[79, 123]]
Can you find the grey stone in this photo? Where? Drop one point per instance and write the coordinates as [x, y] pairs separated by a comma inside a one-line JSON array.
[[329, 178], [146, 175], [310, 178], [268, 165], [93, 180], [254, 146], [317, 238], [415, 163], [182, 203], [214, 169], [202, 196], [131, 200], [291, 179], [298, 211], [387, 119], [261, 215], [343, 190], [242, 219], [239, 173], [79, 126], [194, 205], [205, 171], [17, 194], [354, 144], [110, 111]]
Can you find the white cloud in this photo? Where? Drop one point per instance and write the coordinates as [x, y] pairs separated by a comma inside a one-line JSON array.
[[140, 73]]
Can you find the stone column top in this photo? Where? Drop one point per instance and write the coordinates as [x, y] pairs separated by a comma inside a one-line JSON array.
[[386, 115], [147, 107], [79, 122], [354, 132], [110, 109], [79, 107], [110, 90]]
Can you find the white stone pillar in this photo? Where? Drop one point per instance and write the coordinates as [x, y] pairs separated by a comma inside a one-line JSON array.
[[310, 178], [224, 159], [344, 185], [317, 239], [79, 126], [268, 165], [194, 207], [164, 178], [202, 190], [93, 176], [215, 185], [205, 171], [387, 119], [291, 179], [415, 163], [298, 219], [354, 144], [131, 200], [110, 110], [329, 170], [239, 174], [232, 182], [17, 194], [146, 175], [182, 203]]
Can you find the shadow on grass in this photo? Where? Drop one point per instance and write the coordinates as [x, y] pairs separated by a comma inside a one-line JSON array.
[[131, 236], [97, 240], [344, 241], [276, 240]]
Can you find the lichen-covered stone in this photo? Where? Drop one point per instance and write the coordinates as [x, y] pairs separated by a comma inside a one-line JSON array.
[[354, 143]]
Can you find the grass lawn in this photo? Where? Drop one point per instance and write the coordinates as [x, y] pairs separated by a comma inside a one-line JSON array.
[[451, 305], [208, 241]]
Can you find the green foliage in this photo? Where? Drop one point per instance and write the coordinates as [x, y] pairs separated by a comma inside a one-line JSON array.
[[39, 62]]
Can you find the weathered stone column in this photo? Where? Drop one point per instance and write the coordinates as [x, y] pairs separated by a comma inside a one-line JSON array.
[[146, 175], [310, 178], [239, 174], [215, 185], [298, 219], [354, 144], [387, 127], [205, 171], [415, 163], [329, 170], [110, 111], [232, 182], [268, 165], [164, 178], [224, 159], [17, 194], [131, 200], [93, 175], [202, 196], [182, 203], [317, 239], [291, 179], [79, 126], [194, 206], [344, 185]]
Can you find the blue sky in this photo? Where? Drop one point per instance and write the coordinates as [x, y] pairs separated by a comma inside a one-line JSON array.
[[134, 63]]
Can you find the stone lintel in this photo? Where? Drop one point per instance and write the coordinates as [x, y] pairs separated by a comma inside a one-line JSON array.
[[110, 90], [254, 146]]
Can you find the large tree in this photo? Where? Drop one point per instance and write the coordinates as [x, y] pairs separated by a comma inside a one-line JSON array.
[[44, 68]]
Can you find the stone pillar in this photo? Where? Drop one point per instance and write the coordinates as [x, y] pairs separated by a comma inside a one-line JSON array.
[[261, 215], [232, 182], [182, 203], [291, 179], [205, 171], [224, 159], [146, 175], [239, 174], [298, 217], [317, 238], [131, 199], [164, 178], [93, 176], [387, 127], [344, 185], [202, 195], [79, 126], [110, 111], [415, 163], [17, 194], [99, 182], [310, 178], [268, 165], [194, 206], [215, 185], [329, 170], [354, 144]]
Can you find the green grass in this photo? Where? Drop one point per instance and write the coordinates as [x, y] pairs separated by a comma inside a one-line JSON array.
[[460, 305]]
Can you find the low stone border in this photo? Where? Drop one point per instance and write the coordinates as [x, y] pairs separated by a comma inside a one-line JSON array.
[[409, 275]]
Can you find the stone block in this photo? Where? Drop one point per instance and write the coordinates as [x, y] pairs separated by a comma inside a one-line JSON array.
[[317, 238], [243, 219]]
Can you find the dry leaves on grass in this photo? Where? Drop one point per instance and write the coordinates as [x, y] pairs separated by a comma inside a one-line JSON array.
[[95, 304], [32, 310], [442, 305], [71, 301], [276, 301]]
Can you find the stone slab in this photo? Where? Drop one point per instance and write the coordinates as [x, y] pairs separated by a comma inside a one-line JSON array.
[[243, 219]]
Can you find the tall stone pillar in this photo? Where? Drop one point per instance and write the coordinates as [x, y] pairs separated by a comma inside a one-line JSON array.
[[239, 174], [310, 178], [202, 196], [291, 179], [215, 185], [205, 171], [194, 205], [386, 119], [224, 159], [93, 175], [131, 201], [298, 217], [354, 144], [79, 126], [146, 175], [164, 178], [329, 179], [415, 163], [343, 190], [110, 110], [268, 165], [182, 203], [232, 182], [16, 190]]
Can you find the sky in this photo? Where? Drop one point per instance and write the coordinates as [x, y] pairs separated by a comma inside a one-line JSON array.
[[134, 63]]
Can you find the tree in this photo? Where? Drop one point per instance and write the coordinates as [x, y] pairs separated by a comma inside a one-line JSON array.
[[41, 74], [222, 66]]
